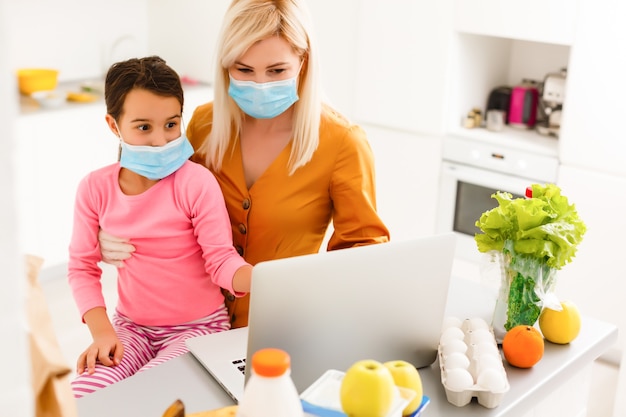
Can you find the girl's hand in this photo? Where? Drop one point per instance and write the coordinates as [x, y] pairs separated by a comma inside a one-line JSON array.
[[106, 349], [114, 250]]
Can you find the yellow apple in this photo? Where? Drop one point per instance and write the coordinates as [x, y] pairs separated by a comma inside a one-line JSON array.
[[367, 389], [407, 376], [560, 327]]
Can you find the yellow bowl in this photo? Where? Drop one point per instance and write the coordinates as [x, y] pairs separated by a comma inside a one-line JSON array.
[[30, 80]]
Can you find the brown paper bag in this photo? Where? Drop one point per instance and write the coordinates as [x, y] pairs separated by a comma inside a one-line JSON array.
[[50, 373]]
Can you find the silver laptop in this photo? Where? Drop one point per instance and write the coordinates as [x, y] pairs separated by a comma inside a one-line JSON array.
[[328, 310]]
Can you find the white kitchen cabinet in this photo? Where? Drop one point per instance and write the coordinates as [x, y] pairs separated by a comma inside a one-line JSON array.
[[402, 64], [401, 78], [595, 279], [593, 131], [337, 53], [407, 180], [547, 21], [55, 149]]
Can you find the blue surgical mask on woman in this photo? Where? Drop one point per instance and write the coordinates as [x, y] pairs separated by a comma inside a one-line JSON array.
[[263, 100], [156, 162]]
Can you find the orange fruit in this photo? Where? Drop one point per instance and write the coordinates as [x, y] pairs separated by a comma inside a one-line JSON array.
[[522, 346], [560, 326]]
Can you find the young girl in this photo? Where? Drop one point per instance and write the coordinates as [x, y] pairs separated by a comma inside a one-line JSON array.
[[174, 213]]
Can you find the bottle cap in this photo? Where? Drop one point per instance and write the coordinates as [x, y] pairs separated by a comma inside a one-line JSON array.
[[270, 362], [529, 192]]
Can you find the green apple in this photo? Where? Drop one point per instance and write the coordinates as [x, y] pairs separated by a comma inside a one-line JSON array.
[[407, 376], [367, 389]]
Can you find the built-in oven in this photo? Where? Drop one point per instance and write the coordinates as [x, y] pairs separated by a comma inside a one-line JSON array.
[[473, 170]]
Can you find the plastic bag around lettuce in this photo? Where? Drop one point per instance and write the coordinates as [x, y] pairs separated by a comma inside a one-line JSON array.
[[526, 288]]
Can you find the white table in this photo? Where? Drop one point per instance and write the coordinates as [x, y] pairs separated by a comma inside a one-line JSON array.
[[149, 393]]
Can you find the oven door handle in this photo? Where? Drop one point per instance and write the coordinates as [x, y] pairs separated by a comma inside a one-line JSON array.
[[486, 178]]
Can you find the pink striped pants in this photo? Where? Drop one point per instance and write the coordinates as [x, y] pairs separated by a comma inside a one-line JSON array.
[[147, 346]]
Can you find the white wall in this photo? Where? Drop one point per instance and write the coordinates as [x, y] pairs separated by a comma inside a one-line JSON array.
[[336, 26], [15, 391], [186, 40], [80, 38]]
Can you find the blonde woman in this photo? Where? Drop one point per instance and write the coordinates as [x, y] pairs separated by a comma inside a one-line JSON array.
[[288, 165]]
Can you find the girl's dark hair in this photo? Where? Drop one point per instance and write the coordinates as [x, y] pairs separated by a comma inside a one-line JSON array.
[[149, 73]]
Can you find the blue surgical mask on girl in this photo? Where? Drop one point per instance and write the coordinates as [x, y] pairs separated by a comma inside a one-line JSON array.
[[156, 162], [263, 100]]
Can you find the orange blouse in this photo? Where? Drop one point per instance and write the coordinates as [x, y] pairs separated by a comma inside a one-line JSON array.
[[282, 216]]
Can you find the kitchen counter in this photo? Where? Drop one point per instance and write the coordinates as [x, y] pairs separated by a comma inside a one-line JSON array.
[[28, 105], [150, 392]]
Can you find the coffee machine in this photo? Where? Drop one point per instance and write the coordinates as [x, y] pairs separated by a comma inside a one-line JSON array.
[[551, 103]]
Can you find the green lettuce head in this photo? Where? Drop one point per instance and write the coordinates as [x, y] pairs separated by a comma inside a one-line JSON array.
[[545, 226]]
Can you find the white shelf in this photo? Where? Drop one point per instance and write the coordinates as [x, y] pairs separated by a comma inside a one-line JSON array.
[[487, 56], [526, 140], [484, 63]]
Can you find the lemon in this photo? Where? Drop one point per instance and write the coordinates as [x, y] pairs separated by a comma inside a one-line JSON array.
[[560, 327]]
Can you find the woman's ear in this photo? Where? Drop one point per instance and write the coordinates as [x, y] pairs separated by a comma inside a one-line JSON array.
[[112, 125]]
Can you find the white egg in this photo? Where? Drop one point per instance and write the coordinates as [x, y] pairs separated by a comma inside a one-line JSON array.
[[484, 348], [451, 322], [477, 336], [456, 360], [488, 361], [452, 346], [458, 379], [466, 325], [451, 333], [492, 380], [478, 323]]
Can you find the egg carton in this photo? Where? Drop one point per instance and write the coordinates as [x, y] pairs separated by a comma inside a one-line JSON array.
[[471, 364]]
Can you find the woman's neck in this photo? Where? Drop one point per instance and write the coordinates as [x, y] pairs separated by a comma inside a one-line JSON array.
[[281, 123]]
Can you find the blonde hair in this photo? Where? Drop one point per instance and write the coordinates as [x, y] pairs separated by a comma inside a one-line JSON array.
[[245, 23]]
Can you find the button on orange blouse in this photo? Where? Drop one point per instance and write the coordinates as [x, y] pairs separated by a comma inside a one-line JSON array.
[[282, 216]]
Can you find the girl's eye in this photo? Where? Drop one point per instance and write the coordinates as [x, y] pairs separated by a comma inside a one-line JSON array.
[[171, 125], [143, 127]]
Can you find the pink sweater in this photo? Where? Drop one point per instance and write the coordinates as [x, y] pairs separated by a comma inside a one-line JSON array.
[[182, 235]]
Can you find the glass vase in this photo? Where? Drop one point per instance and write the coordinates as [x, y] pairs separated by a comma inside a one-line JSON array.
[[526, 286]]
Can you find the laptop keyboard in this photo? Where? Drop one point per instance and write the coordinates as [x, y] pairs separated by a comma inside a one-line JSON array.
[[241, 365]]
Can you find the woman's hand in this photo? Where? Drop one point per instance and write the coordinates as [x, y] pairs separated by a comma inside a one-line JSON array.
[[114, 250]]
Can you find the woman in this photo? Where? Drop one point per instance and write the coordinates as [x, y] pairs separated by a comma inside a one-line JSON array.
[[287, 164]]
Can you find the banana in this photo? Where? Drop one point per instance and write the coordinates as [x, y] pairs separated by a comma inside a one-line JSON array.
[[81, 97], [230, 411], [177, 409]]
